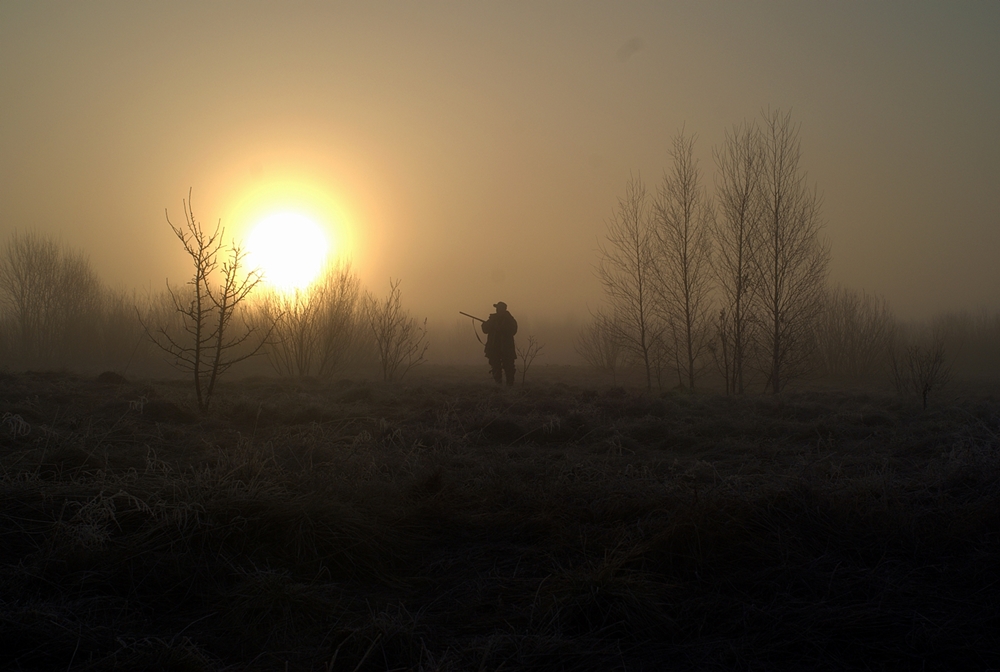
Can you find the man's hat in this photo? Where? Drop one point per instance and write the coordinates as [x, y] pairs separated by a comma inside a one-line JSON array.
[[501, 305]]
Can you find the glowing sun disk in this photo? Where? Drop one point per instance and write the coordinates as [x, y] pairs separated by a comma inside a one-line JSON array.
[[289, 248]]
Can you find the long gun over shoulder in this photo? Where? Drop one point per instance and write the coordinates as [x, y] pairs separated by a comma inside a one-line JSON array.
[[472, 316]]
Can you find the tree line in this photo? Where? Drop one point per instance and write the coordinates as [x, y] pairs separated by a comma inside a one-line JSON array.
[[729, 282], [735, 282], [55, 312]]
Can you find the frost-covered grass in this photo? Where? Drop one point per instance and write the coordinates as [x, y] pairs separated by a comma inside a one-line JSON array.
[[450, 525]]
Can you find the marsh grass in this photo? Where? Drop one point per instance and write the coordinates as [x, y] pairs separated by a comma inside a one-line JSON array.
[[455, 526]]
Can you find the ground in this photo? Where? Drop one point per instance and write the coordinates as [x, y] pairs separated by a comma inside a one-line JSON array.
[[447, 524]]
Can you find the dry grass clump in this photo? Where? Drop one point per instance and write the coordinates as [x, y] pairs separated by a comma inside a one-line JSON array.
[[453, 526]]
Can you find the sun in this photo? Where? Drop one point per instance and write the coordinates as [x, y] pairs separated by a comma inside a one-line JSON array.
[[289, 248]]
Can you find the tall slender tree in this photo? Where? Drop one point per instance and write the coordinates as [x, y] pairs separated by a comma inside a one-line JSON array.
[[738, 164], [791, 260], [683, 217], [627, 269]]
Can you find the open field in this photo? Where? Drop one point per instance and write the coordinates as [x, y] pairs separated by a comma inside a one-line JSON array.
[[445, 524]]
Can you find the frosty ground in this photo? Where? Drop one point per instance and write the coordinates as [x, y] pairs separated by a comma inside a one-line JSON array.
[[446, 524]]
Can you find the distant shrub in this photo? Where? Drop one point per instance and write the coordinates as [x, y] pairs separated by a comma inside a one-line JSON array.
[[55, 312], [920, 368], [854, 334]]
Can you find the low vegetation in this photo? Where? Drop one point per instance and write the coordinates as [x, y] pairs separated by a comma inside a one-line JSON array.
[[447, 525]]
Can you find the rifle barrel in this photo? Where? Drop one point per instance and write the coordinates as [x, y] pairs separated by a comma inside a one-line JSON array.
[[472, 316]]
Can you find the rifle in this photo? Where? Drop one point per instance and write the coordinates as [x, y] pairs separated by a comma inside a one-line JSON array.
[[472, 316]]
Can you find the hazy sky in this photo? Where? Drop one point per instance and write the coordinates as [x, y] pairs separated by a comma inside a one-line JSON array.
[[476, 149]]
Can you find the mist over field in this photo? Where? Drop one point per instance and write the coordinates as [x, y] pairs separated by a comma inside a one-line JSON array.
[[477, 152], [522, 336]]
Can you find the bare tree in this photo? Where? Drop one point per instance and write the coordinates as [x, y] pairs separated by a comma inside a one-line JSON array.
[[400, 341], [683, 217], [528, 354], [600, 347], [791, 260], [738, 163], [854, 334], [627, 269], [29, 280], [206, 346], [920, 369]]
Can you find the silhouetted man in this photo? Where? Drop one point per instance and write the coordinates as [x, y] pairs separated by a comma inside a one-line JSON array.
[[500, 329]]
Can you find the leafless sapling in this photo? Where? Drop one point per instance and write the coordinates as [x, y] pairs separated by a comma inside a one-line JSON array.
[[205, 345], [528, 353]]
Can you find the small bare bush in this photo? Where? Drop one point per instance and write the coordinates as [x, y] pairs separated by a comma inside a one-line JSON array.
[[400, 341], [920, 369], [528, 353], [314, 330], [599, 347]]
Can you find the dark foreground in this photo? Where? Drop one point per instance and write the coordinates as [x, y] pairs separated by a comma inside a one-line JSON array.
[[451, 526]]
